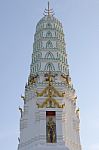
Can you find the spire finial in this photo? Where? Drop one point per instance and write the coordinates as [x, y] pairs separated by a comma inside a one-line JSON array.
[[48, 11]]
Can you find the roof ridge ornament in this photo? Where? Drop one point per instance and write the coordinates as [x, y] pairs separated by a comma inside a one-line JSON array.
[[48, 11]]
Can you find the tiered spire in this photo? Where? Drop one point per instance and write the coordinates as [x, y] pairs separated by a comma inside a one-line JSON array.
[[49, 114]]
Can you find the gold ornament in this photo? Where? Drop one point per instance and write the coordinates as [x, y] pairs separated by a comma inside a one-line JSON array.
[[51, 92], [32, 79]]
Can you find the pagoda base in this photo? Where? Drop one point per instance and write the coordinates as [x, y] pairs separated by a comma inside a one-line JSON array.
[[44, 147], [51, 147]]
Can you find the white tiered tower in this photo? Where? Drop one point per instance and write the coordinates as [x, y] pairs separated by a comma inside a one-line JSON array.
[[49, 119]]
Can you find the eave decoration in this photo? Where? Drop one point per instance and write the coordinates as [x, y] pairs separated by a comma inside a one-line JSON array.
[[32, 79], [66, 78], [50, 103]]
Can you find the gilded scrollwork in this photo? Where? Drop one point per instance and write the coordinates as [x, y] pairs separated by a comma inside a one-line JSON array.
[[50, 103], [66, 78], [32, 79], [51, 92]]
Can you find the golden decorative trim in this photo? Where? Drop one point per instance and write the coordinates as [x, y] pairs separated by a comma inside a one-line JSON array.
[[51, 92], [32, 79], [67, 79], [42, 93], [50, 103]]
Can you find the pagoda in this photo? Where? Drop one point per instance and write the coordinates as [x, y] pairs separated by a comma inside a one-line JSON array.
[[49, 118]]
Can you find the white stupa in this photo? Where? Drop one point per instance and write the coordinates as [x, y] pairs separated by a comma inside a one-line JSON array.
[[49, 119]]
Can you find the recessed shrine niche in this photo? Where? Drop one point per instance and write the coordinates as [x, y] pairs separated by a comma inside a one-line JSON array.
[[51, 127]]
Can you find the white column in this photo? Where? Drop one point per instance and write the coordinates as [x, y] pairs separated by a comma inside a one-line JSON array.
[[42, 126], [59, 133]]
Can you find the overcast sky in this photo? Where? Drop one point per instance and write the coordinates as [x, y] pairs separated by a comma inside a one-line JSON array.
[[80, 19]]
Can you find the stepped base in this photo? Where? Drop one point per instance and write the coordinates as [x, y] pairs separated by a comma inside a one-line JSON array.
[[45, 147], [50, 147]]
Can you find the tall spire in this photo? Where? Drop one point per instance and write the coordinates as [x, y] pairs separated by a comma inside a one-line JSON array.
[[48, 11], [49, 118]]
